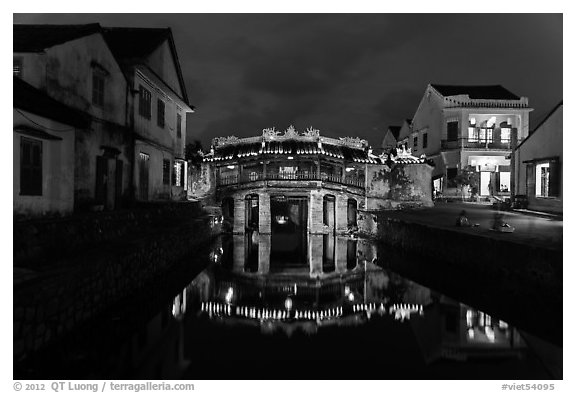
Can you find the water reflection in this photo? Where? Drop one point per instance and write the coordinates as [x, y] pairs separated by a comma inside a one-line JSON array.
[[262, 317], [341, 286]]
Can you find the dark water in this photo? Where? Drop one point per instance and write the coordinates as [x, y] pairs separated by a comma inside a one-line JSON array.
[[250, 316]]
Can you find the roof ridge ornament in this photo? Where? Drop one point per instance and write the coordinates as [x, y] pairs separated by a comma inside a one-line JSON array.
[[311, 132], [224, 140], [291, 132], [354, 142], [270, 132]]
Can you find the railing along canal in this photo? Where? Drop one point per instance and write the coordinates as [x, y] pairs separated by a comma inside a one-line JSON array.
[[297, 176]]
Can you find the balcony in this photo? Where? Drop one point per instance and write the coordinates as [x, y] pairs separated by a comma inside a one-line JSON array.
[[465, 143], [252, 177]]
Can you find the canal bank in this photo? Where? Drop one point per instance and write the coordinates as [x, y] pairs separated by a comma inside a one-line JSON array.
[[68, 271], [512, 275]]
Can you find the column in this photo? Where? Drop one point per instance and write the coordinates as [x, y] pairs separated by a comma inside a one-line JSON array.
[[315, 252], [316, 212], [265, 217], [239, 215], [341, 213], [341, 254], [239, 254], [264, 247]]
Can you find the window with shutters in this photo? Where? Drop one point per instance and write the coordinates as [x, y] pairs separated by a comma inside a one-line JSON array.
[[97, 88], [166, 172], [178, 125], [452, 129], [160, 114], [30, 166], [145, 103]]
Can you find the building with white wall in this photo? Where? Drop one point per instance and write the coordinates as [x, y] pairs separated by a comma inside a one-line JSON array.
[[43, 152], [159, 105], [539, 160], [73, 65], [470, 127]]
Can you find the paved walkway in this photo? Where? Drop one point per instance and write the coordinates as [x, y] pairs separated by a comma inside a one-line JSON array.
[[542, 230]]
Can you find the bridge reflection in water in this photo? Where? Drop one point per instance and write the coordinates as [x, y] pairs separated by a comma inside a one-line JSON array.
[[337, 315], [341, 294]]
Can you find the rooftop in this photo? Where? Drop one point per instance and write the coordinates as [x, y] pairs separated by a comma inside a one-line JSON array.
[[36, 38], [395, 131], [35, 101], [483, 92], [291, 142]]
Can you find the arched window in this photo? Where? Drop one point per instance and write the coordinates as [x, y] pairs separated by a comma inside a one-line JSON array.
[[486, 131]]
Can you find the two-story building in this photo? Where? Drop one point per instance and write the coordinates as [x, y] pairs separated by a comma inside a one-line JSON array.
[[73, 65], [473, 127], [158, 112]]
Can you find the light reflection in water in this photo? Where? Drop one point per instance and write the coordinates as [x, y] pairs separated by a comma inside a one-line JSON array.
[[353, 293]]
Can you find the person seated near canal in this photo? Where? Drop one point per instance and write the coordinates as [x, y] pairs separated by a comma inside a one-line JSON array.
[[462, 220], [499, 225]]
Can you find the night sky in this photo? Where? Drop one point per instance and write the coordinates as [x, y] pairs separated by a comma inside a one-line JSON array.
[[345, 74]]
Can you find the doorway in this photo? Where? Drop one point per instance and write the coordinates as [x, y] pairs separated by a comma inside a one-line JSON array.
[[143, 178], [252, 212], [485, 179], [289, 232]]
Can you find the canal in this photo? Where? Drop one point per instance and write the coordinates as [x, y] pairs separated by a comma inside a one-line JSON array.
[[252, 313]]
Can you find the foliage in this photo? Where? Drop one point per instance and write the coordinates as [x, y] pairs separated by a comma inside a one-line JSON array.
[[193, 153], [468, 177]]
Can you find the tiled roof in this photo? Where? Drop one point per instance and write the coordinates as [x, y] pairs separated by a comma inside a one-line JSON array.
[[134, 43], [36, 38], [32, 100], [395, 130], [487, 92], [291, 147], [131, 45]]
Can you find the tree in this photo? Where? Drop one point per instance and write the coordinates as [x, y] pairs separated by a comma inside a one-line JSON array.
[[193, 153], [467, 178]]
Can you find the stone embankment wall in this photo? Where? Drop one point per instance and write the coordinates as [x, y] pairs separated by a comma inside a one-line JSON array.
[[402, 186], [517, 282], [68, 271]]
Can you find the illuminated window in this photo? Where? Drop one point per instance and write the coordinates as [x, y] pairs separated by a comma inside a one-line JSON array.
[[30, 166], [472, 134], [486, 135], [505, 135], [145, 103], [504, 182], [543, 178], [97, 88], [160, 113], [18, 67]]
